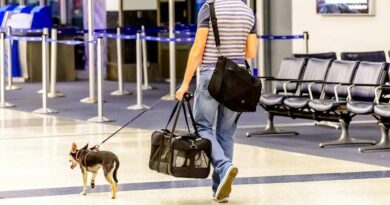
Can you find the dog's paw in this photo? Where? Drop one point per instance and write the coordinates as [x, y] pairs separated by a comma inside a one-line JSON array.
[[92, 185], [113, 197], [83, 193]]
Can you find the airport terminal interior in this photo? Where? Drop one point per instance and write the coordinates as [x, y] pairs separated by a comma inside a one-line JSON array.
[[105, 72]]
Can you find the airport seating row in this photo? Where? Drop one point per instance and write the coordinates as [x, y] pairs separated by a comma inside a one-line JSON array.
[[371, 56], [331, 91]]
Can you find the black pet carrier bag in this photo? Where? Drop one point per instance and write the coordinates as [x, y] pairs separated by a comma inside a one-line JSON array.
[[180, 154]]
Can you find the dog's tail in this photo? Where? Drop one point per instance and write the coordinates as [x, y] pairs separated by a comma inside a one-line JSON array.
[[116, 170]]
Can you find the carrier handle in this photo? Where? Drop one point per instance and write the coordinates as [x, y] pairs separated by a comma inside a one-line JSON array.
[[176, 110]]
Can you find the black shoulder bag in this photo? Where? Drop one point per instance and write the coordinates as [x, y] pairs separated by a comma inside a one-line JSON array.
[[231, 85]]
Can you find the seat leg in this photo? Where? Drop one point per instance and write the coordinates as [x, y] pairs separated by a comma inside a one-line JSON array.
[[384, 144], [328, 124], [270, 129], [345, 139]]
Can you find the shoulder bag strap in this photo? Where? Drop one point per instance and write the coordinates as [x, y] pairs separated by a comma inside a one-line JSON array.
[[214, 24]]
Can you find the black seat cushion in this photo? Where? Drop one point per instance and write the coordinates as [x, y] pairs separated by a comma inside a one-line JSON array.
[[271, 99], [382, 110], [296, 102], [325, 105], [360, 107]]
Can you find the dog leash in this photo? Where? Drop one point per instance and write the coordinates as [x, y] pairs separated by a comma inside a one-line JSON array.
[[186, 96]]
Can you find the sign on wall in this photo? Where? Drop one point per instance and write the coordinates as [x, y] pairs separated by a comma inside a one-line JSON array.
[[345, 7], [131, 5]]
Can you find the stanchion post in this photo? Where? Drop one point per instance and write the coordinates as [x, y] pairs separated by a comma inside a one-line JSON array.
[[3, 103], [306, 38], [120, 90], [10, 85], [45, 72], [139, 105], [91, 56], [63, 12], [172, 53], [145, 85], [53, 66], [100, 118]]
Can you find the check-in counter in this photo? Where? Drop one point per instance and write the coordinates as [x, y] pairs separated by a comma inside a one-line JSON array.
[[31, 60]]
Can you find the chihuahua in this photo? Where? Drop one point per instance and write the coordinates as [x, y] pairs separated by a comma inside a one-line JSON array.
[[91, 160]]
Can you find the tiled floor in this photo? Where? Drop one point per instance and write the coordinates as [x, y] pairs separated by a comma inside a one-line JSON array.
[[34, 168]]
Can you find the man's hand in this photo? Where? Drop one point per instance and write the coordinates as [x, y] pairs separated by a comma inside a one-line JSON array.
[[182, 90]]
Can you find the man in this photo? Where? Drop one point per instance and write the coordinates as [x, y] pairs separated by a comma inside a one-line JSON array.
[[236, 24]]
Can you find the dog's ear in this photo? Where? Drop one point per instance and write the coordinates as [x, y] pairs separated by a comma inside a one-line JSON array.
[[74, 148], [85, 147]]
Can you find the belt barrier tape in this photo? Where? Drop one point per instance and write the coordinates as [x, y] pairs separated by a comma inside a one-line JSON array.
[[185, 35], [148, 38], [287, 37], [162, 39], [25, 38], [115, 36]]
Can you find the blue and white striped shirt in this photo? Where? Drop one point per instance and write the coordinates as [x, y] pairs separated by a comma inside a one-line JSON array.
[[235, 21]]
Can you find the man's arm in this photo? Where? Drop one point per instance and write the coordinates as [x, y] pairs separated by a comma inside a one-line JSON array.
[[194, 59], [251, 46]]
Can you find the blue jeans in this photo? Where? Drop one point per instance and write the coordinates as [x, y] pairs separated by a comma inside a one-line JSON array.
[[206, 109]]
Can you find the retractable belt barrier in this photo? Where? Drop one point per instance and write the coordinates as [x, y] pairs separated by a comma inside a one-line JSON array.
[[287, 37], [183, 34]]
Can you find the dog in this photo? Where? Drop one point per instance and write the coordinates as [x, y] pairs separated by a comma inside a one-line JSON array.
[[91, 160]]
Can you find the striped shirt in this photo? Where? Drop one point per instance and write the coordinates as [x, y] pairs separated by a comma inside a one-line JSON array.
[[235, 21]]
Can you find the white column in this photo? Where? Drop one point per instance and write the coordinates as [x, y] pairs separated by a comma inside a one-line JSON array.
[[42, 3], [120, 14], [139, 105], [45, 73], [119, 57], [146, 85], [53, 93], [100, 118], [63, 10], [3, 103], [260, 31], [91, 56], [10, 85], [172, 53], [22, 2]]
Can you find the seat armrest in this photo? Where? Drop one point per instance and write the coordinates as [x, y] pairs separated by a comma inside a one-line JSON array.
[[378, 92]]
